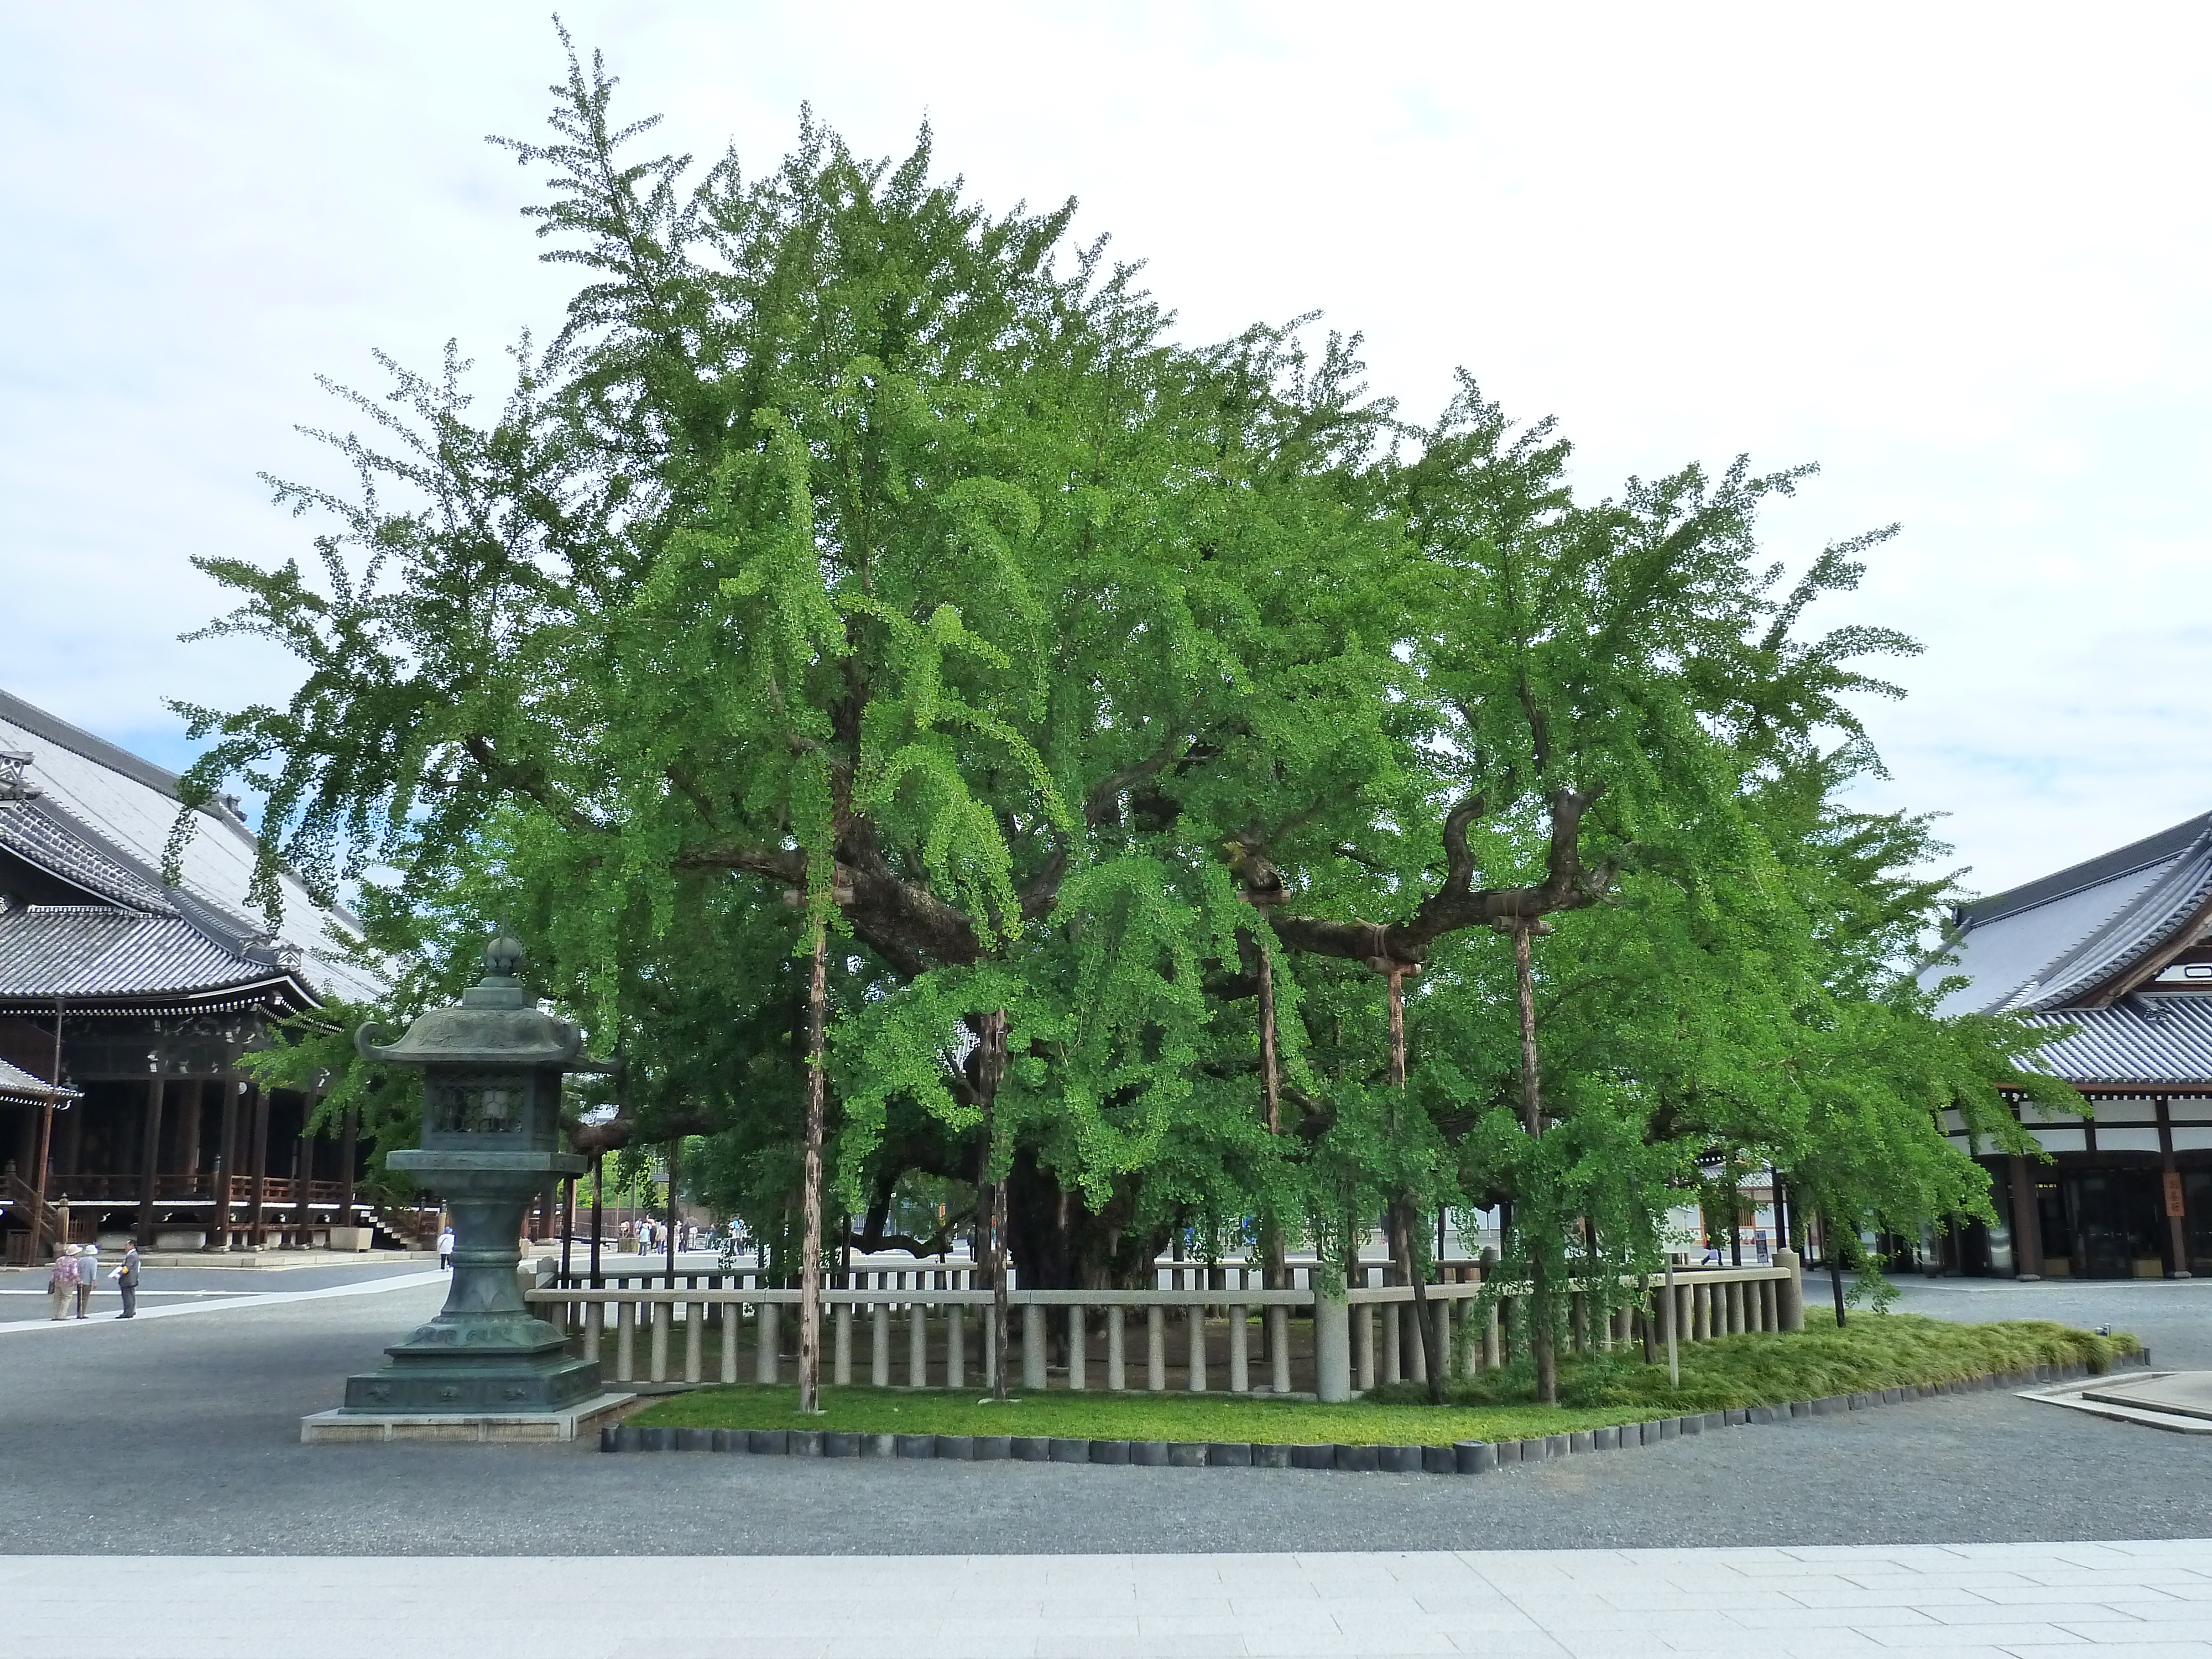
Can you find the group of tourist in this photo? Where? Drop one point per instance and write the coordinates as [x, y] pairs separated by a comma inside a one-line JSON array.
[[75, 1276], [648, 1235]]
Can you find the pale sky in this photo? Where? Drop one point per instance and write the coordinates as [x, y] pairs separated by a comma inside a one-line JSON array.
[[1956, 255]]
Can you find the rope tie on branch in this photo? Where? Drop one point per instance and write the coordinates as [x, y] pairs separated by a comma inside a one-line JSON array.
[[1375, 955]]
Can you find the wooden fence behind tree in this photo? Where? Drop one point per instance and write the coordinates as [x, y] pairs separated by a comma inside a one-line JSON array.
[[898, 1323]]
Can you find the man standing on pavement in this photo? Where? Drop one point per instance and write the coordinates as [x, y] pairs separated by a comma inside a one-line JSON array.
[[126, 1281]]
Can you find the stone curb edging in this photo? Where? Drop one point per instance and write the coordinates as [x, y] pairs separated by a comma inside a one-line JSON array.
[[1460, 1458]]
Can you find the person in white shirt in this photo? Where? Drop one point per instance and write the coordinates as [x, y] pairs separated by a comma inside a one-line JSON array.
[[446, 1248], [88, 1278]]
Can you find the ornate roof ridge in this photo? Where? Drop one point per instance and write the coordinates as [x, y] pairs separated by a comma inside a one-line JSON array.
[[2134, 931], [44, 834]]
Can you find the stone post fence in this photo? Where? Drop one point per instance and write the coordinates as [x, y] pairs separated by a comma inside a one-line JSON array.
[[927, 1323]]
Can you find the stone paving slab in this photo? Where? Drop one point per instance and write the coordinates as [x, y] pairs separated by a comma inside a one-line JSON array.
[[1592, 1604]]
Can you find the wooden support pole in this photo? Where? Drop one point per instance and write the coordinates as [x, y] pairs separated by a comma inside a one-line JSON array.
[[44, 1153], [810, 1197]]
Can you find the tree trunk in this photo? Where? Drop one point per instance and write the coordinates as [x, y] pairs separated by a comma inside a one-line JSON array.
[[809, 1212], [675, 1215], [598, 1160], [1835, 1267], [1532, 1121]]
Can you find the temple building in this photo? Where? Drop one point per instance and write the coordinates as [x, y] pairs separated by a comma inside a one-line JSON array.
[[2117, 951], [126, 1003]]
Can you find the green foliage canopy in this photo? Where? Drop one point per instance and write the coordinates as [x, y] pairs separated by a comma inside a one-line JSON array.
[[853, 552]]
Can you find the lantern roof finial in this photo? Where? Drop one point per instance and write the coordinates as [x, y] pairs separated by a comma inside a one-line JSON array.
[[502, 956], [497, 1023]]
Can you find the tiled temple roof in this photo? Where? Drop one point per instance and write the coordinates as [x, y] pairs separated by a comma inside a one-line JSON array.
[[83, 953], [2164, 1038], [98, 820], [2093, 946], [2071, 940], [16, 1083]]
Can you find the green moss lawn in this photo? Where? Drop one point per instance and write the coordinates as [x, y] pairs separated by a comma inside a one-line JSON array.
[[1875, 1351]]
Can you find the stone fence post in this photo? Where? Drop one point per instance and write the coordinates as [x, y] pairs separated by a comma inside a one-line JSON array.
[[1332, 1342], [1789, 1293]]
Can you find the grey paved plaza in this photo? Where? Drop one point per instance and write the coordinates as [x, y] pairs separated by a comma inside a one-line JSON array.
[[180, 1435], [1984, 1601]]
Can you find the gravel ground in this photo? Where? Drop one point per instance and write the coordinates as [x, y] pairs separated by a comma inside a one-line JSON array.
[[181, 1437]]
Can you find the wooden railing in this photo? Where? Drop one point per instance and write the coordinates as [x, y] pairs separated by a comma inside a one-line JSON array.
[[281, 1189], [1320, 1343], [46, 1223], [128, 1188]]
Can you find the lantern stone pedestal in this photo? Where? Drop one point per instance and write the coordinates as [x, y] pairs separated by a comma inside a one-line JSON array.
[[486, 1367]]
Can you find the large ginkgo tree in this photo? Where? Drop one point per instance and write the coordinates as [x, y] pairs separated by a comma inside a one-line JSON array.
[[1139, 790]]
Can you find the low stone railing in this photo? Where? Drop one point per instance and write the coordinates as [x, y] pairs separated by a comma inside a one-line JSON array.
[[1324, 1344]]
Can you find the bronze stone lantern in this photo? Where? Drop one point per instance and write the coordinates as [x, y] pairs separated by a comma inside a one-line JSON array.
[[492, 1070]]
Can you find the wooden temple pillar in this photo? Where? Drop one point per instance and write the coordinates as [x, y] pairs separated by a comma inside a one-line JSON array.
[[349, 1150], [303, 1217], [69, 1159], [2172, 1193], [2027, 1221], [188, 1132], [257, 1223], [150, 1154]]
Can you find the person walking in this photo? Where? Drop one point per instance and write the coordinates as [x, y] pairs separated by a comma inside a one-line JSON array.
[[61, 1280], [88, 1278], [446, 1248], [126, 1281]]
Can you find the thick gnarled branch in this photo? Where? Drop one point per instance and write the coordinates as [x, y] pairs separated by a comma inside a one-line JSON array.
[[1568, 884]]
